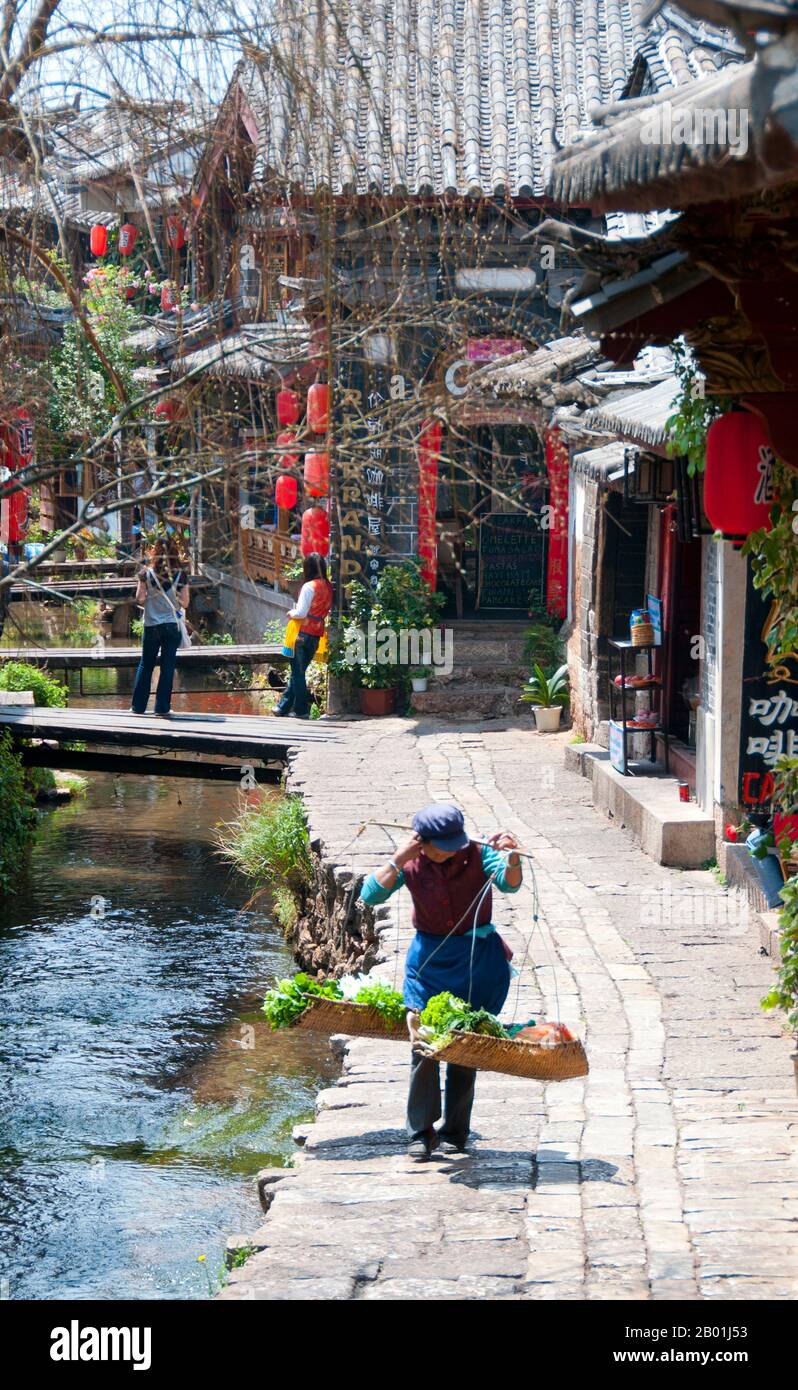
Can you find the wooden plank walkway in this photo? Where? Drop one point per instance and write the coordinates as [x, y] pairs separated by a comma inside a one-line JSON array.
[[108, 657], [237, 735]]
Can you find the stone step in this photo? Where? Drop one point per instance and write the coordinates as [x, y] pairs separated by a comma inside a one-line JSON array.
[[484, 673], [468, 648], [473, 702]]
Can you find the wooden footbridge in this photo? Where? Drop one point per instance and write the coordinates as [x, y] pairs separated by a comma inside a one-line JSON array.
[[105, 657], [118, 588], [185, 745]]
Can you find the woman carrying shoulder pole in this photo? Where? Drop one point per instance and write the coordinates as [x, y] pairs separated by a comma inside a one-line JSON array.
[[456, 949], [163, 591]]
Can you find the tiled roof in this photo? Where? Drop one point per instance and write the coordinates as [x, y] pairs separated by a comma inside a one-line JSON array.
[[433, 96], [641, 415]]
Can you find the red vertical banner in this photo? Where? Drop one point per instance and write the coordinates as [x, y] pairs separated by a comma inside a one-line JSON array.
[[16, 453], [429, 450], [557, 461]]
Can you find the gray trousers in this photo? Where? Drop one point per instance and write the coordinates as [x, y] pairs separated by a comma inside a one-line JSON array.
[[424, 1100]]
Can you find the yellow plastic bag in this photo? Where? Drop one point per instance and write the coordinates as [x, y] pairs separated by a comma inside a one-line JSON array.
[[291, 633], [322, 651]]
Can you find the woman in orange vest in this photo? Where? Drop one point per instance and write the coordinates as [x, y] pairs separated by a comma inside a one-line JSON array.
[[311, 609]]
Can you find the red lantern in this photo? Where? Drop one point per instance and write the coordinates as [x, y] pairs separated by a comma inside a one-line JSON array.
[[315, 532], [287, 406], [168, 298], [175, 232], [98, 239], [738, 481], [128, 236], [167, 409], [317, 474], [287, 460], [319, 408], [286, 491]]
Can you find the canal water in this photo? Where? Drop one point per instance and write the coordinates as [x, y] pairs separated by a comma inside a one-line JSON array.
[[140, 1089]]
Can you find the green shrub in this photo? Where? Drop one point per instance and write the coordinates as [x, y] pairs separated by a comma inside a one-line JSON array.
[[18, 675], [269, 843], [17, 814], [543, 646]]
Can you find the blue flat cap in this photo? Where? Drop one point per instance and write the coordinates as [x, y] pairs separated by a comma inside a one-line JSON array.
[[442, 826]]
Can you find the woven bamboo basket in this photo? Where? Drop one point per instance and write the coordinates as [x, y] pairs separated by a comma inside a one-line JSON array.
[[343, 1016], [514, 1057], [642, 635]]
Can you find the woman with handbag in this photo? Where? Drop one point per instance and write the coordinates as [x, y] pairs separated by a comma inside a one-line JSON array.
[[163, 591], [310, 611]]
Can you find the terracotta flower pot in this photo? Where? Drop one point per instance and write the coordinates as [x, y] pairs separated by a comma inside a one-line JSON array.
[[377, 702], [547, 718]]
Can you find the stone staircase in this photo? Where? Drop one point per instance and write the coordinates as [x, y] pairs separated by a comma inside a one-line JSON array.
[[487, 675]]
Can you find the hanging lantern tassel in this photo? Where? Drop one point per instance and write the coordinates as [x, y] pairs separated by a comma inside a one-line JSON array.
[[286, 491], [315, 532], [738, 480], [168, 298], [317, 475]]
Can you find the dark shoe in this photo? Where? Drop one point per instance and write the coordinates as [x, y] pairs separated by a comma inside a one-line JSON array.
[[302, 716], [280, 713], [163, 714], [421, 1147], [139, 712], [450, 1147]]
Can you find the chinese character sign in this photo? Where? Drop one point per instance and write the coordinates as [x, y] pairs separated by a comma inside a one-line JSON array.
[[557, 573], [769, 713], [429, 449]]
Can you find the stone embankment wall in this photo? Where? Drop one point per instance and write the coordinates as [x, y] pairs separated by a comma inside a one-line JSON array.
[[335, 933]]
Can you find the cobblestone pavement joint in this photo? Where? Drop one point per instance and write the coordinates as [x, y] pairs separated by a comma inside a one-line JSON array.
[[670, 1172]]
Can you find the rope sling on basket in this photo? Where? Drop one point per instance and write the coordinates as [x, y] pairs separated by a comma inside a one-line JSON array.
[[509, 1056]]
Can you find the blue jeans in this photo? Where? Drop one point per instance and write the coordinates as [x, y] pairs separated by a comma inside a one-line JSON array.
[[296, 695], [163, 638]]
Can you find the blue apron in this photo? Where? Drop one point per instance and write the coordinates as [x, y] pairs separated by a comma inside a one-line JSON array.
[[436, 963]]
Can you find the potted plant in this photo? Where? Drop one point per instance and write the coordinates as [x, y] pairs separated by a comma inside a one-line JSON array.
[[419, 675], [547, 694]]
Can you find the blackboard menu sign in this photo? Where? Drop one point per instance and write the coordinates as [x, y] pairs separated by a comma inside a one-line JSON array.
[[512, 561], [769, 716]]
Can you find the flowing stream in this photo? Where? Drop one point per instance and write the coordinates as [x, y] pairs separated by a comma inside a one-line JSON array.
[[140, 1090]]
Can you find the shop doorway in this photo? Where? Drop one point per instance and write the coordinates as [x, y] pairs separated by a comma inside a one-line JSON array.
[[680, 587], [491, 532]]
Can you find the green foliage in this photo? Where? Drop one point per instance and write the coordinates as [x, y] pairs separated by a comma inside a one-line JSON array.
[[289, 998], [445, 1013], [217, 639], [17, 814], [401, 601], [542, 645], [18, 675], [695, 412], [83, 399], [286, 909], [293, 570], [137, 627], [774, 565], [784, 995], [545, 690], [389, 1002], [40, 780], [269, 843]]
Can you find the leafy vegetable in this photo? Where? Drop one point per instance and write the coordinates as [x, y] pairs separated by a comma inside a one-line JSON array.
[[290, 998], [446, 1013], [387, 1001]]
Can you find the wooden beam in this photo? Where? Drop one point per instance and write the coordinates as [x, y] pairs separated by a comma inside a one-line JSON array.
[[136, 765]]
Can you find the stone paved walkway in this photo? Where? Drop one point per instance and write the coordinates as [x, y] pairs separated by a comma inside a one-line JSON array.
[[671, 1171]]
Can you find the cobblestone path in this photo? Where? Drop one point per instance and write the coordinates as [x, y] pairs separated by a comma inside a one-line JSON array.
[[671, 1171]]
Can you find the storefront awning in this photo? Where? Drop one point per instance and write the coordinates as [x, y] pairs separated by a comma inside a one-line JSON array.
[[642, 416]]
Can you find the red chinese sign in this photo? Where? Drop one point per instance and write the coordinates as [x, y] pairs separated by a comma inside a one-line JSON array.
[[557, 569], [16, 453], [429, 449]]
